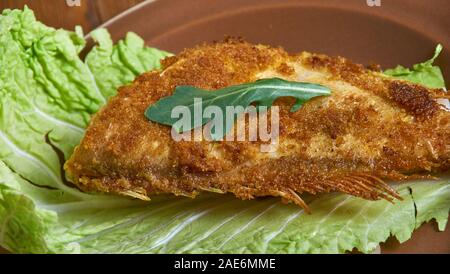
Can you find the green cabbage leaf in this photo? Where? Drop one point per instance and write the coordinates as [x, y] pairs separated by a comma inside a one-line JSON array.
[[424, 73]]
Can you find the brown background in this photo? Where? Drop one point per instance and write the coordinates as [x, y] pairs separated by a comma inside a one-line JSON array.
[[57, 13]]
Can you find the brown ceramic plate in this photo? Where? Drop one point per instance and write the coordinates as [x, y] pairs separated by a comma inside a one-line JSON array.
[[398, 32]]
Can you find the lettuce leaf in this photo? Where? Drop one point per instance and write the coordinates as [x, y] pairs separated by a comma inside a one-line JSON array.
[[45, 88], [114, 65], [423, 73]]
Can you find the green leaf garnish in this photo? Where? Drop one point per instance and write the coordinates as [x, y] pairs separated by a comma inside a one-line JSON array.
[[262, 92], [424, 73]]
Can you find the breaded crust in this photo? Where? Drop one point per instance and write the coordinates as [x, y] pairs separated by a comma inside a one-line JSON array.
[[370, 129]]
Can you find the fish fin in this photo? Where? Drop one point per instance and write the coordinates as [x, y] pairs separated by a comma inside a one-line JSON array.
[[363, 185]]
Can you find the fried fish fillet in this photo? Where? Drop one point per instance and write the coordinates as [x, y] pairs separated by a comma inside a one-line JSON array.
[[372, 128]]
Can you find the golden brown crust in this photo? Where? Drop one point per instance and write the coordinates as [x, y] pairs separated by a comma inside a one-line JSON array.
[[371, 127], [414, 98]]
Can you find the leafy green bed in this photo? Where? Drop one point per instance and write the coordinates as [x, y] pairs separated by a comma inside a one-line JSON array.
[[48, 92]]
